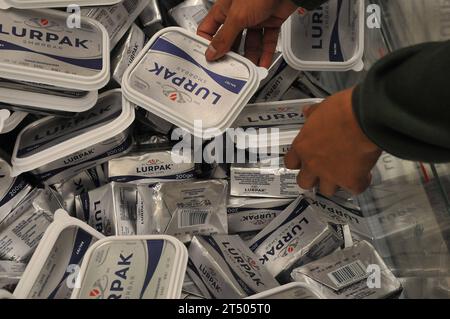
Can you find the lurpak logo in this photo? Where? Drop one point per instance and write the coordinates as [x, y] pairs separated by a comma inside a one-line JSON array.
[[336, 212], [80, 156], [188, 86], [154, 165], [254, 189], [282, 115], [98, 216], [278, 249], [317, 28], [259, 219], [72, 125], [246, 263], [175, 95], [210, 277], [121, 274], [35, 33], [99, 288], [43, 23], [289, 249]]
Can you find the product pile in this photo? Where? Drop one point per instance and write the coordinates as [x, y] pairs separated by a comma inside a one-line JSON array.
[[100, 185]]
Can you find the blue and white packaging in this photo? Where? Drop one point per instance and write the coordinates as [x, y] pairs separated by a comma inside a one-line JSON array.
[[282, 79], [293, 290], [38, 199], [55, 149], [189, 14], [12, 190], [110, 209], [263, 180], [172, 79], [223, 267], [10, 274], [53, 269], [151, 18], [52, 53], [329, 38], [183, 209], [22, 229], [83, 182], [342, 211], [246, 214], [260, 120], [133, 267], [117, 18], [10, 120], [151, 167], [45, 99], [125, 54], [356, 272], [297, 236]]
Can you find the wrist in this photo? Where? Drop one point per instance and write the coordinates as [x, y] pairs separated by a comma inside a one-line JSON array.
[[364, 141]]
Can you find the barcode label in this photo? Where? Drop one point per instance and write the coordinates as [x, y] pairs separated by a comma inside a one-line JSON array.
[[130, 5], [188, 218], [348, 274]]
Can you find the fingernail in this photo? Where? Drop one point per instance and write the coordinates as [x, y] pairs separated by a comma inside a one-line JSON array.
[[211, 53]]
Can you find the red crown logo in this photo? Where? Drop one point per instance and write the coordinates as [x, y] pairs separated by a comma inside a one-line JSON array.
[[94, 292], [173, 96]]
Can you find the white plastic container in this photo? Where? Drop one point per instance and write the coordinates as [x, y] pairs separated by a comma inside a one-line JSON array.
[[4, 116], [157, 264], [4, 294], [13, 190], [41, 100], [326, 39], [30, 4], [172, 79], [29, 155], [75, 58], [53, 265], [286, 116], [10, 120], [293, 290]]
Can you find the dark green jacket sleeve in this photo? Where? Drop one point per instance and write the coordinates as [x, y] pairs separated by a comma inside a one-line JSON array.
[[403, 105], [309, 4]]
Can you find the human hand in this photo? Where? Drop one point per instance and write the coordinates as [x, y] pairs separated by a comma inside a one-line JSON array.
[[331, 149], [262, 18]]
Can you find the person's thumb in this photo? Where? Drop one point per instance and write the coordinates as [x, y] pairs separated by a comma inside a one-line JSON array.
[[223, 41]]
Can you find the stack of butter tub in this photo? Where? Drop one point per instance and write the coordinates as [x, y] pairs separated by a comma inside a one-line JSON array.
[[102, 196]]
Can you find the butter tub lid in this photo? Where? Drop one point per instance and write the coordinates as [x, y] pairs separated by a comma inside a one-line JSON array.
[[47, 99], [279, 115], [293, 290], [38, 46], [61, 231], [52, 138], [32, 4], [330, 38], [153, 267], [4, 294], [4, 115], [172, 79], [10, 120]]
